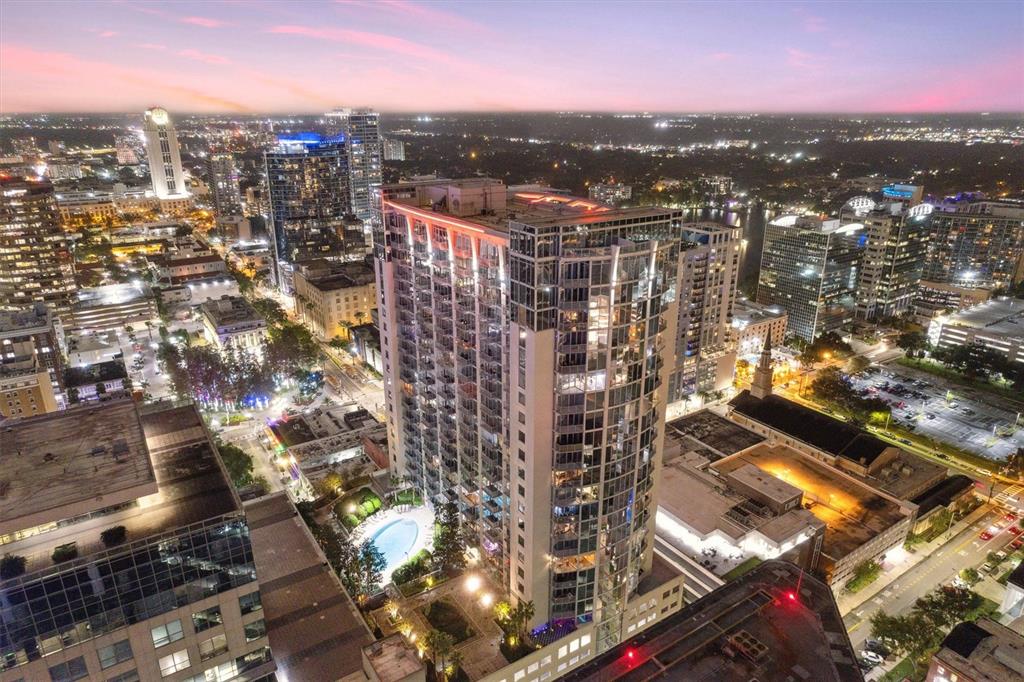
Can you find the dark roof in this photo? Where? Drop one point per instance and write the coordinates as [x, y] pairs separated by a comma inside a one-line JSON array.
[[1017, 576], [965, 638], [942, 493], [108, 370], [823, 432]]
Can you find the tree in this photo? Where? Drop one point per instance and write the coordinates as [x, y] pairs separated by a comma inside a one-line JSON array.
[[944, 607], [270, 310], [440, 645], [113, 536], [970, 576], [913, 343], [522, 614], [858, 364], [238, 463], [371, 568], [904, 635], [449, 541], [503, 614], [11, 566]]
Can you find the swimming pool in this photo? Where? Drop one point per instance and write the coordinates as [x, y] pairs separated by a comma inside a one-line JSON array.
[[396, 541]]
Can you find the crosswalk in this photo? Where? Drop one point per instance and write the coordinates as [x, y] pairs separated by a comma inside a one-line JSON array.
[[1012, 497]]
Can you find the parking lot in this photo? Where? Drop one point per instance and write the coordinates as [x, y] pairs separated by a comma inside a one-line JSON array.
[[953, 417]]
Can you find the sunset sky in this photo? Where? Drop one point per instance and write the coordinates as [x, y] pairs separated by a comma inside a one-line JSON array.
[[400, 55]]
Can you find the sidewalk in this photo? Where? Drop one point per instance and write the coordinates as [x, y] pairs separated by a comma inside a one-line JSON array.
[[849, 602]]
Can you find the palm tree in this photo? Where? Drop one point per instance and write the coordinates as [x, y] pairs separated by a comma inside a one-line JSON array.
[[440, 645], [522, 614], [454, 662]]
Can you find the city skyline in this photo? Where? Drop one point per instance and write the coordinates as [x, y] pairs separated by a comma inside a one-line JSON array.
[[408, 56]]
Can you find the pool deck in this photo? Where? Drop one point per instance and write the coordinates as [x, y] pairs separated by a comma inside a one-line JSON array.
[[423, 517]]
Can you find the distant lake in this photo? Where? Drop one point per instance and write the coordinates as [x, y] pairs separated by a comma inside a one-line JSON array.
[[752, 220]]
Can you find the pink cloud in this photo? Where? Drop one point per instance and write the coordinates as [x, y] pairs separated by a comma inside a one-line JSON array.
[[108, 34], [964, 89], [426, 13], [380, 41], [721, 56], [205, 22], [798, 59], [204, 57]]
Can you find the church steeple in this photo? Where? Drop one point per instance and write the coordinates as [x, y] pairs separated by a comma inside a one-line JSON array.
[[761, 385]]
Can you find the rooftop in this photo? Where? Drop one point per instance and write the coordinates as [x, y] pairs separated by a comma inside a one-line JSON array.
[[91, 374], [392, 659], [942, 493], [63, 464], [17, 322], [852, 512], [708, 434], [998, 316], [984, 651], [169, 467], [331, 276], [229, 310], [314, 630], [778, 632], [810, 426], [113, 294], [746, 312]]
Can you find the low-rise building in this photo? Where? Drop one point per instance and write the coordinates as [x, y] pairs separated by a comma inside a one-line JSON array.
[[1013, 599], [89, 349], [102, 381], [393, 659], [610, 193], [113, 306], [26, 391], [939, 298], [333, 297], [982, 651], [997, 324], [230, 321], [252, 258], [33, 337], [752, 323]]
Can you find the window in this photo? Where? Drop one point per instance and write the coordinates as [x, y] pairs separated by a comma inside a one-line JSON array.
[[69, 670], [130, 676], [204, 620], [165, 634], [214, 646], [115, 653], [250, 603], [255, 630], [173, 663]]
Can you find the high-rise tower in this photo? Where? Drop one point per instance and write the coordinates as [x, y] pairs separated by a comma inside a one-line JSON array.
[[35, 262], [307, 178], [163, 155], [527, 338], [227, 197], [361, 128]]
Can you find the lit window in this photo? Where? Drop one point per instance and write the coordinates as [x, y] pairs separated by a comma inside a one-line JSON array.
[[173, 663], [204, 620], [165, 634], [255, 630], [212, 647]]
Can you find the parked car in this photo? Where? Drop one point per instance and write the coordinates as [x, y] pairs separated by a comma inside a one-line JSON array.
[[985, 535], [987, 567], [871, 656], [877, 647]]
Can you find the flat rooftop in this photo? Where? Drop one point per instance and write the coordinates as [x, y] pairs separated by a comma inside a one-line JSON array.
[[710, 435], [314, 629], [852, 512], [393, 659], [1004, 316], [29, 321], [113, 294], [796, 635], [810, 426], [745, 312], [229, 310], [63, 464], [984, 651], [167, 442]]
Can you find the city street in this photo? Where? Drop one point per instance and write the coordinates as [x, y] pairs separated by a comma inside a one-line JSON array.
[[962, 421]]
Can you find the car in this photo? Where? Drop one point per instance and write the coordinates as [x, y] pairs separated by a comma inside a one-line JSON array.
[[930, 415], [905, 441], [871, 657], [877, 647], [1000, 556], [1016, 530], [1010, 516], [987, 567], [865, 664], [985, 535], [954, 405], [1017, 544]]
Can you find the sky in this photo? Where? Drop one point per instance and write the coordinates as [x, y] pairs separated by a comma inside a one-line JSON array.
[[251, 56]]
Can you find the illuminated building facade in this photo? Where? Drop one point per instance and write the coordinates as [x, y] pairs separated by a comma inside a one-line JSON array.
[[976, 243], [894, 254], [227, 197], [163, 155], [35, 261], [527, 341], [809, 268], [361, 128], [308, 182]]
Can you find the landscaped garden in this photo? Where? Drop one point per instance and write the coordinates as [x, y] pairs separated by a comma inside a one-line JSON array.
[[353, 508], [449, 619]]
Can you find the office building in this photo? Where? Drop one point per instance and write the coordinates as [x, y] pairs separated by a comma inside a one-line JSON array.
[[715, 185], [26, 147], [976, 242], [163, 155], [611, 194], [997, 324], [894, 252], [394, 149], [981, 651], [331, 298], [26, 390], [308, 180], [223, 177], [361, 129], [58, 169], [752, 323], [126, 148], [527, 341], [809, 267], [705, 353], [138, 560], [36, 264], [231, 321], [939, 298], [101, 381], [774, 623]]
